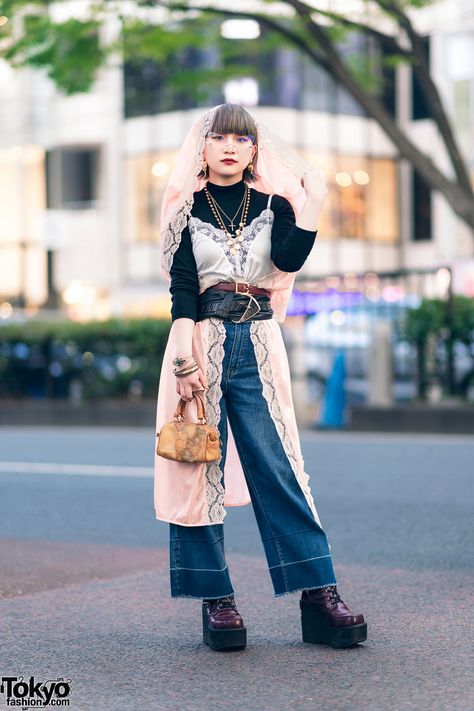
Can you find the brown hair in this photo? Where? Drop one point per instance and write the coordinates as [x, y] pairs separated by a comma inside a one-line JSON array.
[[233, 118]]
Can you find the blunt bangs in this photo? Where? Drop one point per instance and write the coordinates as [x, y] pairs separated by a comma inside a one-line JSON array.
[[233, 118]]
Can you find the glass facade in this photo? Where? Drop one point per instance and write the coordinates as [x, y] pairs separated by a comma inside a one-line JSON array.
[[361, 204], [362, 201], [286, 78], [150, 87]]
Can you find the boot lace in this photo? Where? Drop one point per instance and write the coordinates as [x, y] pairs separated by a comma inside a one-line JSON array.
[[335, 597], [226, 602], [222, 602]]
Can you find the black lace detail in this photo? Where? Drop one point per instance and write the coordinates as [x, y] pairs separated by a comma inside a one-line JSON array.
[[215, 337], [172, 237]]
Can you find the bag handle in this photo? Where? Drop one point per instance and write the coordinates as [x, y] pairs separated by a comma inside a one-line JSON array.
[[201, 412]]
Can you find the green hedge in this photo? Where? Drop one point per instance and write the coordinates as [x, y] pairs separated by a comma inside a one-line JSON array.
[[436, 328], [108, 358]]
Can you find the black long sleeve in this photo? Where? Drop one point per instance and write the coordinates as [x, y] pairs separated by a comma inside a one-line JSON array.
[[184, 280], [290, 245]]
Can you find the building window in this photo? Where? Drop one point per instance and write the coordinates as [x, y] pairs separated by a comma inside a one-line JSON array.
[[281, 76], [362, 201], [152, 87], [463, 103], [72, 178], [420, 109], [146, 178], [421, 209]]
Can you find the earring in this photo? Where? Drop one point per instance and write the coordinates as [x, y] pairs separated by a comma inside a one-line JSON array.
[[204, 167], [250, 167]]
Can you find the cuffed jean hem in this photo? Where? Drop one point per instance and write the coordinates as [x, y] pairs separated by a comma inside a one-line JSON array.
[[317, 572]]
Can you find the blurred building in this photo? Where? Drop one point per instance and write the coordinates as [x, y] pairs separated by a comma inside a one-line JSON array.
[[81, 177]]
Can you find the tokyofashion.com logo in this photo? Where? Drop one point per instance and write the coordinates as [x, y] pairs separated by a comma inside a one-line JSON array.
[[35, 694]]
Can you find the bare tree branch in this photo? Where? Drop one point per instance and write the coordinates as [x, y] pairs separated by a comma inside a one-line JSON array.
[[431, 93], [460, 199]]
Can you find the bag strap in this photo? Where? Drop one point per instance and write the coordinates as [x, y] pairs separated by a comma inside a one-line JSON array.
[[201, 411]]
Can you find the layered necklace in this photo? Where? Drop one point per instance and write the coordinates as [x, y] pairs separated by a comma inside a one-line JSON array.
[[234, 236]]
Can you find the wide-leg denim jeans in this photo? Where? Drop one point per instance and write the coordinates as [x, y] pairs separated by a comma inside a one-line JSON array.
[[296, 547]]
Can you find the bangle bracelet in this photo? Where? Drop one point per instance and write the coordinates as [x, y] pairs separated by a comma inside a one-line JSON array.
[[189, 365], [187, 371]]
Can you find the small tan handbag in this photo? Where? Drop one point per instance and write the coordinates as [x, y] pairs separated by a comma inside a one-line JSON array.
[[186, 441]]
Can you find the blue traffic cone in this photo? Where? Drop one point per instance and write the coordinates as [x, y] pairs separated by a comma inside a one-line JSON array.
[[334, 403]]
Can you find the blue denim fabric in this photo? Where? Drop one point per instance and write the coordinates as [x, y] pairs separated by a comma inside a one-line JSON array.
[[296, 547]]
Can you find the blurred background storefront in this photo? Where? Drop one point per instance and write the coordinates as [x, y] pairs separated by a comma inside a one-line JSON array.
[[81, 180]]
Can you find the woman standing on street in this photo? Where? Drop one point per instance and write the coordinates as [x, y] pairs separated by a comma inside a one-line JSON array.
[[232, 248]]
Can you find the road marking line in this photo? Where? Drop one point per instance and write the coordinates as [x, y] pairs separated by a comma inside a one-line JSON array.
[[81, 469]]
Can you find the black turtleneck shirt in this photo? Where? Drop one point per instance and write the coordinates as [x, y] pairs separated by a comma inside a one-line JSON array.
[[290, 245]]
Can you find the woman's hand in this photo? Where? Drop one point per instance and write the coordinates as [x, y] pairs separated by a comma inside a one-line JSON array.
[[314, 184], [186, 385]]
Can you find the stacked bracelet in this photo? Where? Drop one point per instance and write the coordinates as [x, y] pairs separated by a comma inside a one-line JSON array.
[[188, 369]]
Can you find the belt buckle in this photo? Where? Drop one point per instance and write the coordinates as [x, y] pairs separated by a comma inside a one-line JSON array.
[[242, 318], [244, 283]]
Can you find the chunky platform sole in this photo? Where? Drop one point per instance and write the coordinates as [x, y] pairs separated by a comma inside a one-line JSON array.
[[221, 640], [316, 629]]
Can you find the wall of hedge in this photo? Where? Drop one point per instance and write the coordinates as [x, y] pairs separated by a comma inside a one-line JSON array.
[[84, 361]]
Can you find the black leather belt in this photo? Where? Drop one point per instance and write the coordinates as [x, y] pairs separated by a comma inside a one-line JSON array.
[[233, 306]]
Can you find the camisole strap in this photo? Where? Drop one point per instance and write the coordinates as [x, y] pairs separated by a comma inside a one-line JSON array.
[[268, 207]]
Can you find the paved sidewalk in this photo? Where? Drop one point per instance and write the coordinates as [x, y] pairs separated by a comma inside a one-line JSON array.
[[125, 644]]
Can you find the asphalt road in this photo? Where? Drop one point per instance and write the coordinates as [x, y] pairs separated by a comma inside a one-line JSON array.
[[84, 583]]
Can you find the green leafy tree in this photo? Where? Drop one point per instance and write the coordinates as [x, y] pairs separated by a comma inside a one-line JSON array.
[[72, 51], [441, 323]]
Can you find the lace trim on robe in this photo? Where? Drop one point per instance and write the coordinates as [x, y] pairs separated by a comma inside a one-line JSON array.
[[215, 337], [258, 334]]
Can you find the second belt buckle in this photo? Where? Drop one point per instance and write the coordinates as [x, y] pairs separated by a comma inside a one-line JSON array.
[[251, 299]]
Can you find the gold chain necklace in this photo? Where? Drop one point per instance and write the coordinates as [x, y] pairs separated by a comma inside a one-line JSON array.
[[219, 208], [233, 240]]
